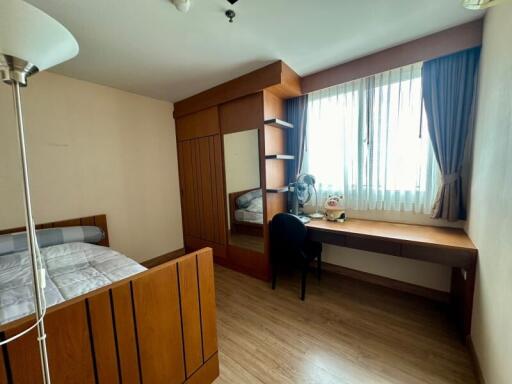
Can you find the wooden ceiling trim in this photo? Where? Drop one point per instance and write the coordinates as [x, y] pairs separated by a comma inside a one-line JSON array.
[[242, 86], [277, 77], [451, 40]]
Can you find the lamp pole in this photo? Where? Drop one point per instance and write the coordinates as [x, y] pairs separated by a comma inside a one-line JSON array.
[[31, 41], [37, 270]]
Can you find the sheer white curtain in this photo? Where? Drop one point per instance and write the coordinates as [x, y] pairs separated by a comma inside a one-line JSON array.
[[368, 140]]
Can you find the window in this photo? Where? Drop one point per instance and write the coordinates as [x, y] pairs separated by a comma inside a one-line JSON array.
[[368, 140]]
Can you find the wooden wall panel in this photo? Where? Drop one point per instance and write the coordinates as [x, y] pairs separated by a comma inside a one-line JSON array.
[[291, 84], [451, 40], [273, 106], [276, 77], [245, 85], [125, 333], [68, 346], [199, 124], [242, 114], [190, 314], [103, 336], [156, 300], [207, 300]]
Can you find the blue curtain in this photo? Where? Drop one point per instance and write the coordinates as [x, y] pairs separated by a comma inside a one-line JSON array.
[[297, 114], [449, 89]]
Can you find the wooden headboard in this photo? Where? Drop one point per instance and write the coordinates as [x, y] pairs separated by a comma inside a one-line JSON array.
[[97, 221]]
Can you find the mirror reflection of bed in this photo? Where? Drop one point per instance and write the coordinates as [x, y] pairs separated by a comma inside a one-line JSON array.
[[244, 196]]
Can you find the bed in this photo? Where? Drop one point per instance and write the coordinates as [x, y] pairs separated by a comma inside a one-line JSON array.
[[246, 212], [109, 320]]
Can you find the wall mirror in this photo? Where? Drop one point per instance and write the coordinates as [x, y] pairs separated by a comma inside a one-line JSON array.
[[243, 190]]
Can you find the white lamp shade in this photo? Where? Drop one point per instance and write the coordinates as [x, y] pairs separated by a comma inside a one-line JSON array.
[[480, 4], [182, 5], [29, 34]]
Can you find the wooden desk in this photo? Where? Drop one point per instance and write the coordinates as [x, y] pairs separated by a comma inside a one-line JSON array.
[[446, 246]]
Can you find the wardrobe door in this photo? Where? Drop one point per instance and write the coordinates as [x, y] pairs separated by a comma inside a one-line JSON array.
[[189, 188], [202, 189], [210, 194]]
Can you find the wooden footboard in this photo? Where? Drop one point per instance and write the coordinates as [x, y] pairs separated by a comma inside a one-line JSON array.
[[156, 327]]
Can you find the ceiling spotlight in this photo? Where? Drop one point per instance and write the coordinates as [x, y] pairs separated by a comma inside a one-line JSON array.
[[480, 4], [230, 14], [182, 5]]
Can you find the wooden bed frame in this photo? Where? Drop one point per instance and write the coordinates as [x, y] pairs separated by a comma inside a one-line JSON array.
[[242, 227], [158, 326]]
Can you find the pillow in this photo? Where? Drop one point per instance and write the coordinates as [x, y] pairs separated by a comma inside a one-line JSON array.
[[255, 206], [244, 200], [17, 242]]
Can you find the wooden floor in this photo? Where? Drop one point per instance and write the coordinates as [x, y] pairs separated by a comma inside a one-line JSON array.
[[345, 332], [254, 243]]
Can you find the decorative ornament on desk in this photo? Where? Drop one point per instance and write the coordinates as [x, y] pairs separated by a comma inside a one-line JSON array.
[[334, 210]]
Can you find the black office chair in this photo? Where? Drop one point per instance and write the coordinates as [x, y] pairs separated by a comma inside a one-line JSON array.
[[289, 242]]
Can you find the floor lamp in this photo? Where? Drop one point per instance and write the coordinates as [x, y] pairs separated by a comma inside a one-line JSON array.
[[31, 41]]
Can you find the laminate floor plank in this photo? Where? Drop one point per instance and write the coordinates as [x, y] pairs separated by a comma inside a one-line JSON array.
[[346, 332]]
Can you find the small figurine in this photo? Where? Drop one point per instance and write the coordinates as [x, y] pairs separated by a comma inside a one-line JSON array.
[[334, 210]]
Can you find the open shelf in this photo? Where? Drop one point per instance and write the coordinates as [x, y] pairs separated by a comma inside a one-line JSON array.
[[279, 157], [278, 123], [277, 190]]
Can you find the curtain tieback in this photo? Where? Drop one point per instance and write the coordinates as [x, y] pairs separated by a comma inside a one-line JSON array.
[[450, 178]]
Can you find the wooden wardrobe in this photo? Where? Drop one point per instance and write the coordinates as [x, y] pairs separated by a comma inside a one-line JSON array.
[[253, 101], [202, 181]]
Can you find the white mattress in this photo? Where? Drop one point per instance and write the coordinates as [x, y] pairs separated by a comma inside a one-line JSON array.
[[247, 216], [71, 270]]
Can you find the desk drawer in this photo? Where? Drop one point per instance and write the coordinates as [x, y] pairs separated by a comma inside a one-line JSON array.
[[327, 237], [373, 245], [450, 257]]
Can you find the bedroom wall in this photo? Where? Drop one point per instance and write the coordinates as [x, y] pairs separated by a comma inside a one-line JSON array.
[[490, 220], [94, 149]]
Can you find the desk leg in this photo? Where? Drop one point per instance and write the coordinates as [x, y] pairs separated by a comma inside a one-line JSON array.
[[462, 291]]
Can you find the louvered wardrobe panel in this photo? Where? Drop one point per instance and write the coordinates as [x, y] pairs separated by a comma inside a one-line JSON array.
[[202, 181]]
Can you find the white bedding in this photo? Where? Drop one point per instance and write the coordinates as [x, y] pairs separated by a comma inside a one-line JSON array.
[[249, 217], [71, 270], [252, 213]]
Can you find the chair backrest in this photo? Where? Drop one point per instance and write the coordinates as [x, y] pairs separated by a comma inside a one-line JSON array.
[[287, 232]]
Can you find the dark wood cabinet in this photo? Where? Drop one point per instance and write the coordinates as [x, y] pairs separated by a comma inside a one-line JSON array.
[[202, 181]]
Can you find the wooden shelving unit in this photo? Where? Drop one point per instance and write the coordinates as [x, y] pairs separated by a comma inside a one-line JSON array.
[[278, 123], [279, 157], [277, 190]]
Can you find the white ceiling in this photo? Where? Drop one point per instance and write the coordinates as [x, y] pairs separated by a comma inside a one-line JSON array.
[[148, 47]]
